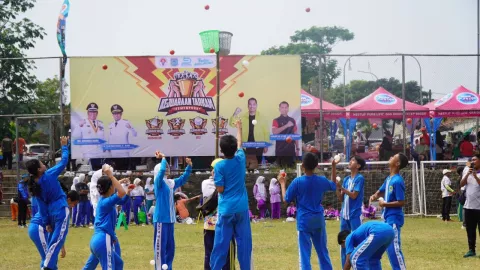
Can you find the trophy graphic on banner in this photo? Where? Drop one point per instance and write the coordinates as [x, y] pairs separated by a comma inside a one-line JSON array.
[[222, 129], [198, 126], [176, 126], [186, 81], [154, 127]]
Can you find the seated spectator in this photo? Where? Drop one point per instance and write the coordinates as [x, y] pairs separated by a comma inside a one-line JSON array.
[[330, 212], [368, 211], [466, 148]]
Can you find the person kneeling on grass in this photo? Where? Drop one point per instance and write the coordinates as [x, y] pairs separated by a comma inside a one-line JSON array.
[[307, 191], [365, 245], [104, 245]]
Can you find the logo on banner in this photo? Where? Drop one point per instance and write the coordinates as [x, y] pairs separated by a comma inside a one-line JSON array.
[[187, 62], [443, 99], [174, 62], [306, 100], [203, 62], [154, 127], [186, 93], [176, 126], [198, 126], [222, 126], [467, 98], [163, 61], [385, 99]]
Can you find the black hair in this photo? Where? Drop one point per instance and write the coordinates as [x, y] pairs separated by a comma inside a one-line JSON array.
[[466, 138], [342, 236], [228, 145], [460, 170], [310, 161], [103, 185], [283, 102], [477, 156], [33, 187], [32, 166], [252, 98], [360, 162], [403, 160], [176, 197], [73, 196]]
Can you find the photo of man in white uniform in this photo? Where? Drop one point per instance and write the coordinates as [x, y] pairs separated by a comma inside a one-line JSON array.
[[120, 132], [90, 128]]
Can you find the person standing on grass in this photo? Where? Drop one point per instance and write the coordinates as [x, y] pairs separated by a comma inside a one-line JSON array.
[[149, 193], [233, 215], [7, 151], [461, 196], [275, 198], [104, 245], [83, 205], [393, 189], [366, 244], [307, 191], [471, 182], [138, 196], [447, 193], [351, 196], [52, 203], [22, 201], [260, 194], [164, 217]]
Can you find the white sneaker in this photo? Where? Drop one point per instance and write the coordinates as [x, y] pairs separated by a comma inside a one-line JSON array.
[[143, 225], [463, 227], [91, 227]]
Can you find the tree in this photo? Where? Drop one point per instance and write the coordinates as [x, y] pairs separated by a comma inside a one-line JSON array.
[[312, 42], [17, 84]]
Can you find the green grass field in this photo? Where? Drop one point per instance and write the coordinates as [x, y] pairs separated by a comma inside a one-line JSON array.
[[427, 244]]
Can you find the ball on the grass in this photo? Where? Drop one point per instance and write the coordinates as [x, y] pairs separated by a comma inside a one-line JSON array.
[[245, 63], [241, 94], [164, 266], [152, 262], [172, 52], [254, 122], [105, 67], [288, 139]]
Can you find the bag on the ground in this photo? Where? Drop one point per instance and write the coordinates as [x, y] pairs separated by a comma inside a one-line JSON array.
[[209, 204], [142, 217]]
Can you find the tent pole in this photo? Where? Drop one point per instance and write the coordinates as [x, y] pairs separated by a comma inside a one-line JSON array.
[[403, 107], [320, 89]]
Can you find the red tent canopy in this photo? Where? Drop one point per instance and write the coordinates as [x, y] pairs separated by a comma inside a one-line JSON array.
[[311, 107], [460, 103], [383, 104]]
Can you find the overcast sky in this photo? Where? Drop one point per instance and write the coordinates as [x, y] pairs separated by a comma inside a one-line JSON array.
[[154, 27]]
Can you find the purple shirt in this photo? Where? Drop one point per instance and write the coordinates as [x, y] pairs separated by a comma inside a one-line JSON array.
[[275, 194]]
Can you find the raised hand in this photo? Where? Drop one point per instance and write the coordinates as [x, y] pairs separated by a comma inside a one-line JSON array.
[[64, 140], [189, 161], [159, 155], [238, 123]]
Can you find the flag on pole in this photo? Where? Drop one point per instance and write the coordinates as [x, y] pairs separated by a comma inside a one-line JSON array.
[[61, 25]]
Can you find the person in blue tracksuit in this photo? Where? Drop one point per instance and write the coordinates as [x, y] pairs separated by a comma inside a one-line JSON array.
[[127, 206], [233, 216], [52, 203], [393, 189], [351, 197], [104, 245], [83, 204], [38, 232], [366, 244], [23, 201], [307, 191], [164, 216], [74, 209]]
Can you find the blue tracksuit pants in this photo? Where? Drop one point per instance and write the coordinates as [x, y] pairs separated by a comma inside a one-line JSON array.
[[349, 225], [319, 240], [232, 225], [56, 239], [369, 253], [137, 203], [126, 209], [163, 245], [39, 237], [394, 250], [82, 213], [105, 252]]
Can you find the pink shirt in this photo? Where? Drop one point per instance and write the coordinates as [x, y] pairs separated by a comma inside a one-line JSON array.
[[275, 194]]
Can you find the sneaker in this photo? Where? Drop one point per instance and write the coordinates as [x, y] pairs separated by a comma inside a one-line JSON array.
[[463, 227], [470, 253], [91, 227]]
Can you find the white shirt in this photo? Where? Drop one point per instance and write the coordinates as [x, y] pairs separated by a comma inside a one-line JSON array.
[[119, 133], [472, 193], [91, 129], [149, 196], [137, 191], [445, 182]]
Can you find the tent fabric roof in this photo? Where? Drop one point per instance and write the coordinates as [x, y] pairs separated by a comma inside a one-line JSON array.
[[459, 103], [311, 107], [383, 104]]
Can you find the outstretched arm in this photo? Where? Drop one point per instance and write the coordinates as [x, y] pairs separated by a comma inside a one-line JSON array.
[[57, 169], [180, 181], [158, 181]]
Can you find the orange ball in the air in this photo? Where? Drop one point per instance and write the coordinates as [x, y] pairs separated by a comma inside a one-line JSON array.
[[374, 125], [172, 52], [241, 94], [289, 139]]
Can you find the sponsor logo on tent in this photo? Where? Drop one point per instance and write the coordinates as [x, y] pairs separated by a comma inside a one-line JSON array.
[[306, 100], [385, 99], [443, 99], [467, 98]]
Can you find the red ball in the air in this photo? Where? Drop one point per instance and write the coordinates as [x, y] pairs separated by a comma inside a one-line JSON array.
[[212, 50], [409, 121], [105, 67], [284, 174], [207, 7], [374, 125], [172, 52], [307, 9], [288, 139], [131, 186], [240, 94]]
